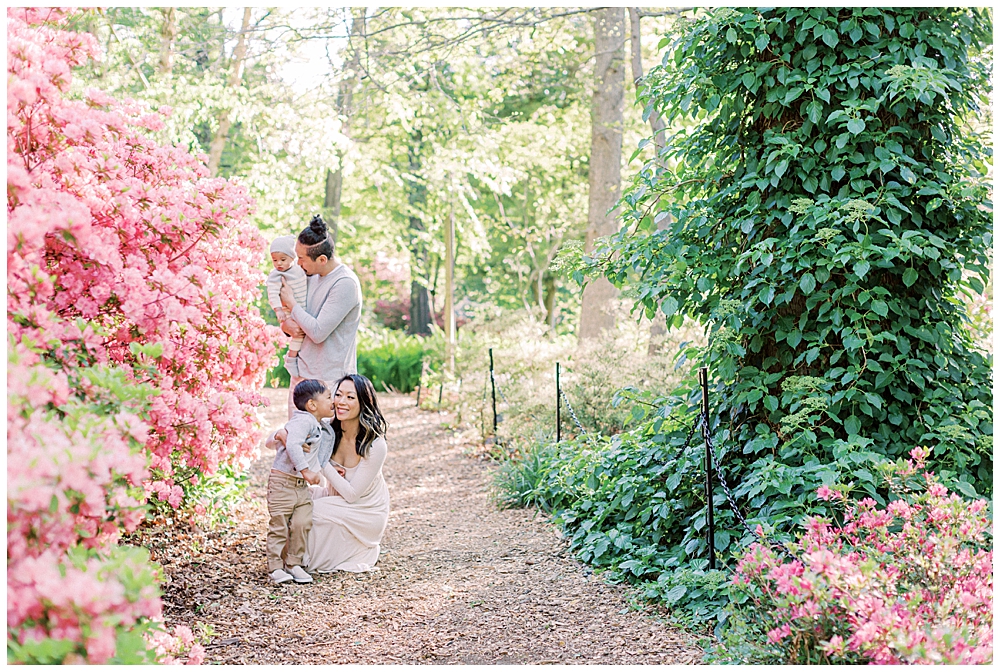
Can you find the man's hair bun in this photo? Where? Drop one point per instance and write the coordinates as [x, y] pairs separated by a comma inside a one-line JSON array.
[[317, 232], [317, 238], [318, 225]]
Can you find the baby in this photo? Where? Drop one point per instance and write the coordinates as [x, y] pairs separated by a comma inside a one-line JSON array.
[[289, 501], [283, 257]]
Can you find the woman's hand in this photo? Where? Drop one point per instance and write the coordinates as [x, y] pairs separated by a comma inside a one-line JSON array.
[[339, 469], [278, 437]]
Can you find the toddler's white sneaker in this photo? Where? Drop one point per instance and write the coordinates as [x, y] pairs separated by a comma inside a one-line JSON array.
[[300, 575], [281, 576]]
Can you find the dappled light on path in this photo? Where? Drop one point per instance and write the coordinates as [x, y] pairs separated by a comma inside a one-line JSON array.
[[459, 581]]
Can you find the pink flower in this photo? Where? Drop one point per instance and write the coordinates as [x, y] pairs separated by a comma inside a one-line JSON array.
[[779, 633], [115, 245]]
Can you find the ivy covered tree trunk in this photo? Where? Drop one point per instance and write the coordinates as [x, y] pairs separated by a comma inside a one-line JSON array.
[[828, 210], [596, 310]]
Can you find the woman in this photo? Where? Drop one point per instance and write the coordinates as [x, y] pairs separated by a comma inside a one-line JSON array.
[[351, 508]]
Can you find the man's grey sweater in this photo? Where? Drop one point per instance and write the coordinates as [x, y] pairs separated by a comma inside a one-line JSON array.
[[304, 430], [330, 321]]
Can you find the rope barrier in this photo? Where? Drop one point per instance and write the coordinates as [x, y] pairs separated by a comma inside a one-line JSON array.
[[701, 421]]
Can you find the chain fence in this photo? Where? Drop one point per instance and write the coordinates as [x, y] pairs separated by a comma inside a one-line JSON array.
[[572, 413], [702, 421]]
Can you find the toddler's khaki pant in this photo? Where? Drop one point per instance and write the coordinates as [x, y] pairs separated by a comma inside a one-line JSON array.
[[289, 504]]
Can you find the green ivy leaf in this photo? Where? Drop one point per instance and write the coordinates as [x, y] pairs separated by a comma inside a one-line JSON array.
[[807, 283], [852, 425], [856, 125], [880, 307], [966, 489]]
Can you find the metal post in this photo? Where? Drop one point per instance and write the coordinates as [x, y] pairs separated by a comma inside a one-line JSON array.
[[493, 387], [440, 394], [703, 379], [558, 407], [420, 380]]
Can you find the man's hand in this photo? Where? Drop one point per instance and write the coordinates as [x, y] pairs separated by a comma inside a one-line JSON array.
[[311, 476], [287, 296], [291, 328]]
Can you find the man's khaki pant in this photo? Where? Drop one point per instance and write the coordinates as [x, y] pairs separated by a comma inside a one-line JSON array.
[[290, 506]]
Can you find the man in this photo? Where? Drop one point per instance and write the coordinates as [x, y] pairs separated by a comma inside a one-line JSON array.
[[329, 320]]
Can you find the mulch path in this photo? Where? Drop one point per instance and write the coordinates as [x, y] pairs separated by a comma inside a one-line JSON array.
[[459, 581]]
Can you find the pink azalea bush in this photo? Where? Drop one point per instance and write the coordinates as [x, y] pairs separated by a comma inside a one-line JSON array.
[[134, 351], [907, 583]]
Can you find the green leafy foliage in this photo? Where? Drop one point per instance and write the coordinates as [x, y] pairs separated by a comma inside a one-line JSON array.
[[634, 507], [828, 211], [390, 359], [826, 215]]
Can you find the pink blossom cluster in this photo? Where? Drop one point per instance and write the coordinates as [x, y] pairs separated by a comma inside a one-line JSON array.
[[113, 240], [132, 339], [907, 583], [85, 602], [177, 648]]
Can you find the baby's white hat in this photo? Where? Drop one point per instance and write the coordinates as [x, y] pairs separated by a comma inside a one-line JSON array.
[[285, 245]]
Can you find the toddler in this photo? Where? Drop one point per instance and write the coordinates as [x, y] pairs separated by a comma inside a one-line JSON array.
[[289, 501], [283, 257]]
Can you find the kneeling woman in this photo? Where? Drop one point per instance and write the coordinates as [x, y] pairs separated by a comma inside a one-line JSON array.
[[351, 506]]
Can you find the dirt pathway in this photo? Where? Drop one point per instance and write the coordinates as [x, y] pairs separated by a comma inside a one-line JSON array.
[[459, 581]]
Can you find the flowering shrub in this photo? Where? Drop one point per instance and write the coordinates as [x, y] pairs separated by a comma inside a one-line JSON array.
[[113, 240], [908, 583], [172, 649], [131, 348]]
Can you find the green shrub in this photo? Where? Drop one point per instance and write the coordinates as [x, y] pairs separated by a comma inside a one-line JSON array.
[[634, 505], [391, 359], [829, 207]]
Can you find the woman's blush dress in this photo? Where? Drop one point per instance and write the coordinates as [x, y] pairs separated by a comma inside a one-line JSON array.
[[350, 515]]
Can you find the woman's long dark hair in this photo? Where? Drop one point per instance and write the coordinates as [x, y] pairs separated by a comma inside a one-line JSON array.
[[371, 422]]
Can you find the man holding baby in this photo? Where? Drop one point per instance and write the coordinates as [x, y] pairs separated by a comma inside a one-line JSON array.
[[329, 319]]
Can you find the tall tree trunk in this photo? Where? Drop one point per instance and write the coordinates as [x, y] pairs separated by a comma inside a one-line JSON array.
[[345, 98], [449, 292], [420, 308], [235, 75], [331, 198], [659, 326], [168, 33], [607, 112], [635, 42], [550, 302]]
